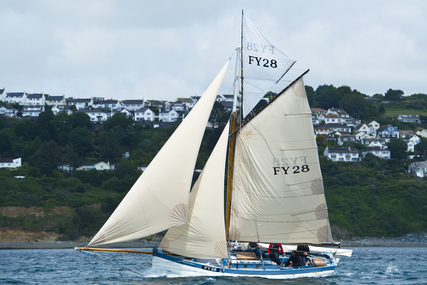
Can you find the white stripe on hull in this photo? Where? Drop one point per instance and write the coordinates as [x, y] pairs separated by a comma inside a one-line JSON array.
[[188, 271]]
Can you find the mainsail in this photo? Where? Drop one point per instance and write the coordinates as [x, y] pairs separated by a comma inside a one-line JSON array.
[[203, 235], [158, 200], [277, 186], [263, 64]]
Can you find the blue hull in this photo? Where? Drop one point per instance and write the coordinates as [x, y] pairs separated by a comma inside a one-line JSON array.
[[255, 268]]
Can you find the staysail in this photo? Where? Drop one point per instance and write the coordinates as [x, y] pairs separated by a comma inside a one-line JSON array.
[[277, 186], [158, 200], [263, 64], [203, 235]]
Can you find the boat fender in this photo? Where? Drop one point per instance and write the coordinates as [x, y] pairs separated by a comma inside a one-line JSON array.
[[224, 262]]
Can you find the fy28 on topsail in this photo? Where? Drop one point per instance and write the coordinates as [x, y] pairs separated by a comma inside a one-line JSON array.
[[274, 191]]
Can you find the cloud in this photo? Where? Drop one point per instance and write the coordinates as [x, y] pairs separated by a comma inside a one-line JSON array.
[[169, 49]]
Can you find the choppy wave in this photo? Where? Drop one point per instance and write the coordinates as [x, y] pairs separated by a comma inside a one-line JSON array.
[[370, 265]]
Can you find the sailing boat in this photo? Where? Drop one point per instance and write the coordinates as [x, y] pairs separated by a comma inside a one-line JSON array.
[[274, 190]]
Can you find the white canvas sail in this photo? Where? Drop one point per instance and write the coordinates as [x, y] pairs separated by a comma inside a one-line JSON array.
[[203, 235], [263, 64], [277, 186], [158, 200]]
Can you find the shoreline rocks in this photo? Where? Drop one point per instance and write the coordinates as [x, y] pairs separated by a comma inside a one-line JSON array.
[[412, 240]]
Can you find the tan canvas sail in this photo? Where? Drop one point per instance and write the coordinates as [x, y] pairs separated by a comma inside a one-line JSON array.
[[158, 200], [203, 235], [277, 186]]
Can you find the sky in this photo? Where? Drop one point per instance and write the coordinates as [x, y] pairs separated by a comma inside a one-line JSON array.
[[130, 49]]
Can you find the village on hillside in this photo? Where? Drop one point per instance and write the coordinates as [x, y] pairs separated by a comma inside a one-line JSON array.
[[334, 125]]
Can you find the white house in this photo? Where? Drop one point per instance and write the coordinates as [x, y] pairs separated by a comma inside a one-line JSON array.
[[35, 99], [178, 106], [168, 116], [127, 112], [132, 105], [377, 151], [16, 97], [56, 109], [144, 114], [338, 127], [315, 120], [378, 144], [346, 138], [371, 142], [341, 154], [322, 130], [187, 102], [32, 110], [318, 111], [412, 142], [58, 100], [10, 162], [98, 166], [363, 128], [8, 111], [373, 125], [409, 118], [96, 115], [388, 132], [2, 94], [419, 168], [82, 103], [107, 104], [422, 133], [361, 136]]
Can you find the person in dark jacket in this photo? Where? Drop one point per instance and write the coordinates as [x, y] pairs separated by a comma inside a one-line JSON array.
[[273, 252], [294, 260]]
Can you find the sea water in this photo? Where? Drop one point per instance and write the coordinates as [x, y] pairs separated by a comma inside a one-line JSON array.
[[368, 265]]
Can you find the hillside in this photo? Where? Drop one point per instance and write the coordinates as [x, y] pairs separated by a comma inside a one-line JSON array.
[[373, 198]]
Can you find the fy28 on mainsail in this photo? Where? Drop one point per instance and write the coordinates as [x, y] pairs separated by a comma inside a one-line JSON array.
[[274, 190]]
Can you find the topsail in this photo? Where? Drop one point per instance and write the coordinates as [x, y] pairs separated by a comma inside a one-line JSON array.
[[263, 64]]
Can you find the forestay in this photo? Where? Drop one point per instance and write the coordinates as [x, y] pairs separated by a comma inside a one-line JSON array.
[[158, 200], [277, 186], [263, 64], [203, 235]]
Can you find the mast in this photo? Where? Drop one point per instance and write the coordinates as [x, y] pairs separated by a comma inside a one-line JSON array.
[[236, 121], [241, 71]]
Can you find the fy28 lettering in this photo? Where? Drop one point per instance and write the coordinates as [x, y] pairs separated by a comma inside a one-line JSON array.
[[292, 165], [261, 61]]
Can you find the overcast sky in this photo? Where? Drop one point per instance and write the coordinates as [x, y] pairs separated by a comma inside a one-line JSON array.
[[129, 49]]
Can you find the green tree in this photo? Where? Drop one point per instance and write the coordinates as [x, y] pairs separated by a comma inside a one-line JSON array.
[[26, 129], [310, 94], [397, 148], [5, 142], [81, 119], [118, 119], [47, 158], [62, 123], [393, 95], [31, 148], [421, 147], [44, 125], [72, 157], [125, 168], [81, 139], [327, 96], [112, 149]]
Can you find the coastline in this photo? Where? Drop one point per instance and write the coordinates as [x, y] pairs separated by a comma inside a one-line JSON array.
[[70, 245], [407, 241]]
